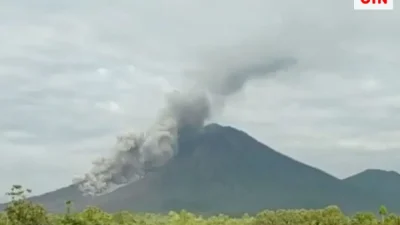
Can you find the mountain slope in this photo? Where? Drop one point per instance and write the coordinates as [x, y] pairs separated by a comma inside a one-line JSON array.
[[385, 184], [224, 170]]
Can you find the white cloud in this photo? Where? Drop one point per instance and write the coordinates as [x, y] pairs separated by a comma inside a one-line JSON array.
[[75, 74], [111, 106]]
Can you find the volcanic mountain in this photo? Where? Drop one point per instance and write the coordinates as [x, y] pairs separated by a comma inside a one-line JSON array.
[[223, 170]]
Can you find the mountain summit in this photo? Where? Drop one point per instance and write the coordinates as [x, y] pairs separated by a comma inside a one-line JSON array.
[[220, 169]]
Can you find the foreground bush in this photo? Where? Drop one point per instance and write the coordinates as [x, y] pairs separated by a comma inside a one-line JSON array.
[[21, 211]]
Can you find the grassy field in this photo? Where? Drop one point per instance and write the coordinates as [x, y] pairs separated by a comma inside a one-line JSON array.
[[20, 211]]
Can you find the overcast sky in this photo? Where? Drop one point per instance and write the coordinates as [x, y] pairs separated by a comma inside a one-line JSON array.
[[76, 73]]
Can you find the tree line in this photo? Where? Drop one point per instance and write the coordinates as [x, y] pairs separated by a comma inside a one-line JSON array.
[[21, 211]]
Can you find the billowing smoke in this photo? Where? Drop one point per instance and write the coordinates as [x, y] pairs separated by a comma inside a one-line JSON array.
[[134, 154]]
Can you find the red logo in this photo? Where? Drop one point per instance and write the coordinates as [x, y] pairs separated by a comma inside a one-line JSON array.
[[373, 4], [374, 1]]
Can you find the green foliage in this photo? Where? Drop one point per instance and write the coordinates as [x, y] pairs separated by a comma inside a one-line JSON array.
[[21, 211]]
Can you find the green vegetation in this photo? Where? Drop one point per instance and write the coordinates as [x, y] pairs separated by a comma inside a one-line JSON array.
[[21, 211]]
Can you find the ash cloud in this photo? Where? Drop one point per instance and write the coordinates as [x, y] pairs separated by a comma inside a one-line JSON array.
[[234, 80], [136, 153]]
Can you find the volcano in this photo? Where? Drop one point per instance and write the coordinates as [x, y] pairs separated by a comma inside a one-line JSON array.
[[220, 169]]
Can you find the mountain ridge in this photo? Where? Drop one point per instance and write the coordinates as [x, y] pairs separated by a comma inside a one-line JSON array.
[[221, 169], [386, 184]]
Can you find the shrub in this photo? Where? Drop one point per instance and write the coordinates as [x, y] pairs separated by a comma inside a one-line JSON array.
[[21, 211]]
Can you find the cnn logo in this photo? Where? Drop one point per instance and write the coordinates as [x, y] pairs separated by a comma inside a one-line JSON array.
[[373, 4]]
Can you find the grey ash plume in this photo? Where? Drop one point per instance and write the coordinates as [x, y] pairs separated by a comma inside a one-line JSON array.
[[135, 153]]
